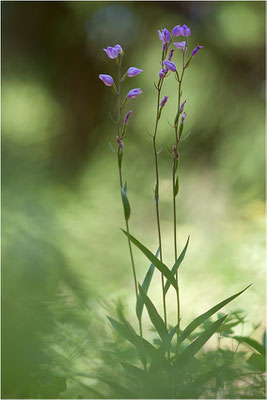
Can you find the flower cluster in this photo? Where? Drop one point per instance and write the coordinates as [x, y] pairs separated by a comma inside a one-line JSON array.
[[116, 53]]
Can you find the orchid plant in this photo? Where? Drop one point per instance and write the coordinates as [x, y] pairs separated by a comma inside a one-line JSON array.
[[162, 361]]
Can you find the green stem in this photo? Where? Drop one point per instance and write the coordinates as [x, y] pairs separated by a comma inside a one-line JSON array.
[[121, 187], [174, 173], [157, 199]]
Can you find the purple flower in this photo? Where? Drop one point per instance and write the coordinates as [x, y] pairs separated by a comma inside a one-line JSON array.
[[163, 101], [170, 55], [177, 31], [164, 35], [182, 106], [186, 31], [132, 71], [112, 52], [133, 93], [162, 73], [107, 79], [118, 48], [183, 117], [170, 65], [180, 45], [126, 118], [196, 49]]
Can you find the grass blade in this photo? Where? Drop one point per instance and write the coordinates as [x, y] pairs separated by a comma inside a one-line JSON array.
[[145, 286], [158, 264], [176, 265], [133, 370], [187, 355], [251, 342], [166, 343], [203, 317], [154, 316]]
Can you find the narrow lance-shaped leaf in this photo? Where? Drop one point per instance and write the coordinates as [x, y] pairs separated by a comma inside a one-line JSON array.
[[145, 286], [186, 356], [126, 204], [251, 342], [166, 343], [177, 265], [176, 187], [203, 317], [158, 264], [133, 370], [154, 316]]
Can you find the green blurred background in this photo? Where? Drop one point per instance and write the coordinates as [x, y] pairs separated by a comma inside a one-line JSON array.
[[65, 259]]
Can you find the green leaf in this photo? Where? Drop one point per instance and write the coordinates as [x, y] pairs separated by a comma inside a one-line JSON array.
[[126, 205], [111, 148], [181, 127], [122, 330], [176, 265], [176, 187], [203, 317], [257, 362], [185, 136], [251, 342], [133, 370], [158, 264], [166, 343], [145, 286], [154, 316], [187, 355], [118, 389]]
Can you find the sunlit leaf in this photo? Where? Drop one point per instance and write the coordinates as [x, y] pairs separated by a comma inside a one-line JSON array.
[[145, 286], [126, 205], [133, 370], [177, 265], [251, 342], [158, 264], [203, 317], [154, 316], [186, 356]]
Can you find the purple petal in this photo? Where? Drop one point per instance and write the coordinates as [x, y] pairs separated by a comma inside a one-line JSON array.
[[133, 93], [132, 71], [126, 118], [170, 65], [107, 79], [196, 49]]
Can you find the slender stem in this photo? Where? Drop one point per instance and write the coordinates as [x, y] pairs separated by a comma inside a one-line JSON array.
[[157, 198], [121, 187], [174, 173]]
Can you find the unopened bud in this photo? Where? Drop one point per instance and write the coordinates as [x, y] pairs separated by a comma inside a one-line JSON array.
[[120, 143]]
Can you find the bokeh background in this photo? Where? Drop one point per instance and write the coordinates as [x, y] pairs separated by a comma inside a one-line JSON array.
[[65, 260]]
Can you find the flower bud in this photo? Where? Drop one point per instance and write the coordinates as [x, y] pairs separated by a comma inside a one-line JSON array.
[[126, 118], [170, 55], [183, 117], [182, 106], [170, 65], [162, 73], [175, 152], [107, 79], [132, 71], [133, 93], [120, 143], [196, 50], [163, 101]]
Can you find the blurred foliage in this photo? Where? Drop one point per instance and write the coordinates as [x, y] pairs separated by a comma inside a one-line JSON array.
[[61, 203]]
